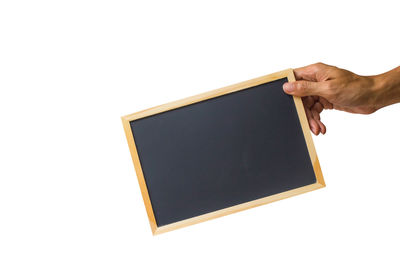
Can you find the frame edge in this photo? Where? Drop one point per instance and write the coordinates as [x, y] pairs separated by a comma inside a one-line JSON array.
[[139, 173], [156, 230], [307, 135]]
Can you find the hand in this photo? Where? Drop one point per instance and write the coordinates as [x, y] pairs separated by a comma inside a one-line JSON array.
[[327, 87]]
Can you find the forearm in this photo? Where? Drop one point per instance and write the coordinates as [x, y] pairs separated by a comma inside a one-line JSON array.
[[387, 88]]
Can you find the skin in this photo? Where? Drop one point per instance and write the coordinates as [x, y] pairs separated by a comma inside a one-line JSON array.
[[327, 87]]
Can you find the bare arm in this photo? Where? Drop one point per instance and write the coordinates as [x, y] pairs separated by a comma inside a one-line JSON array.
[[327, 87], [388, 87]]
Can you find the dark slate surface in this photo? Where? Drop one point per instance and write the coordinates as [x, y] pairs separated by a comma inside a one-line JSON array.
[[222, 152]]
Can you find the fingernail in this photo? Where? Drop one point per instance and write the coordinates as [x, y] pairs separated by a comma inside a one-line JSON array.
[[287, 87]]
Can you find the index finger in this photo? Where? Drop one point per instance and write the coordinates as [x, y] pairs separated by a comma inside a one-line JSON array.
[[309, 72]]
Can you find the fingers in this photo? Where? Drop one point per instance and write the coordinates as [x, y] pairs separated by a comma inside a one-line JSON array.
[[325, 103], [305, 73], [315, 114], [322, 127], [309, 72], [302, 88], [318, 107], [312, 92], [313, 108], [308, 101], [312, 122], [317, 119]]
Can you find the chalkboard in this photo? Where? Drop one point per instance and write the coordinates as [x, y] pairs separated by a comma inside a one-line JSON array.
[[223, 151]]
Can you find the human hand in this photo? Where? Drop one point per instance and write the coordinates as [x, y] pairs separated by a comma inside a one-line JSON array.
[[327, 87]]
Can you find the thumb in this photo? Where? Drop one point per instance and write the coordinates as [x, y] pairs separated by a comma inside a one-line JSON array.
[[301, 88]]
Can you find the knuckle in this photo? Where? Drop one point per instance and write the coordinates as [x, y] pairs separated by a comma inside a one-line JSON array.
[[301, 87], [318, 65]]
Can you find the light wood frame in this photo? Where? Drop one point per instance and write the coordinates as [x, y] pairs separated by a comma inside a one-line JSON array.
[[211, 94]]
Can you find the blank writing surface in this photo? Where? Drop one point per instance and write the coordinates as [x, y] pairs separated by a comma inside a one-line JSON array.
[[222, 152]]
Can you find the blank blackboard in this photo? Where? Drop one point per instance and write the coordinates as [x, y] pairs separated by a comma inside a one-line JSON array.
[[228, 149]]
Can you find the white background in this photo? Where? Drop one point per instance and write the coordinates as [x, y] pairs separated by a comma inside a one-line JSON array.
[[69, 69]]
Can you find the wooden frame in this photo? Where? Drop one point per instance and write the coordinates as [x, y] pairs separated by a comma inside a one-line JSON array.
[[211, 94]]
